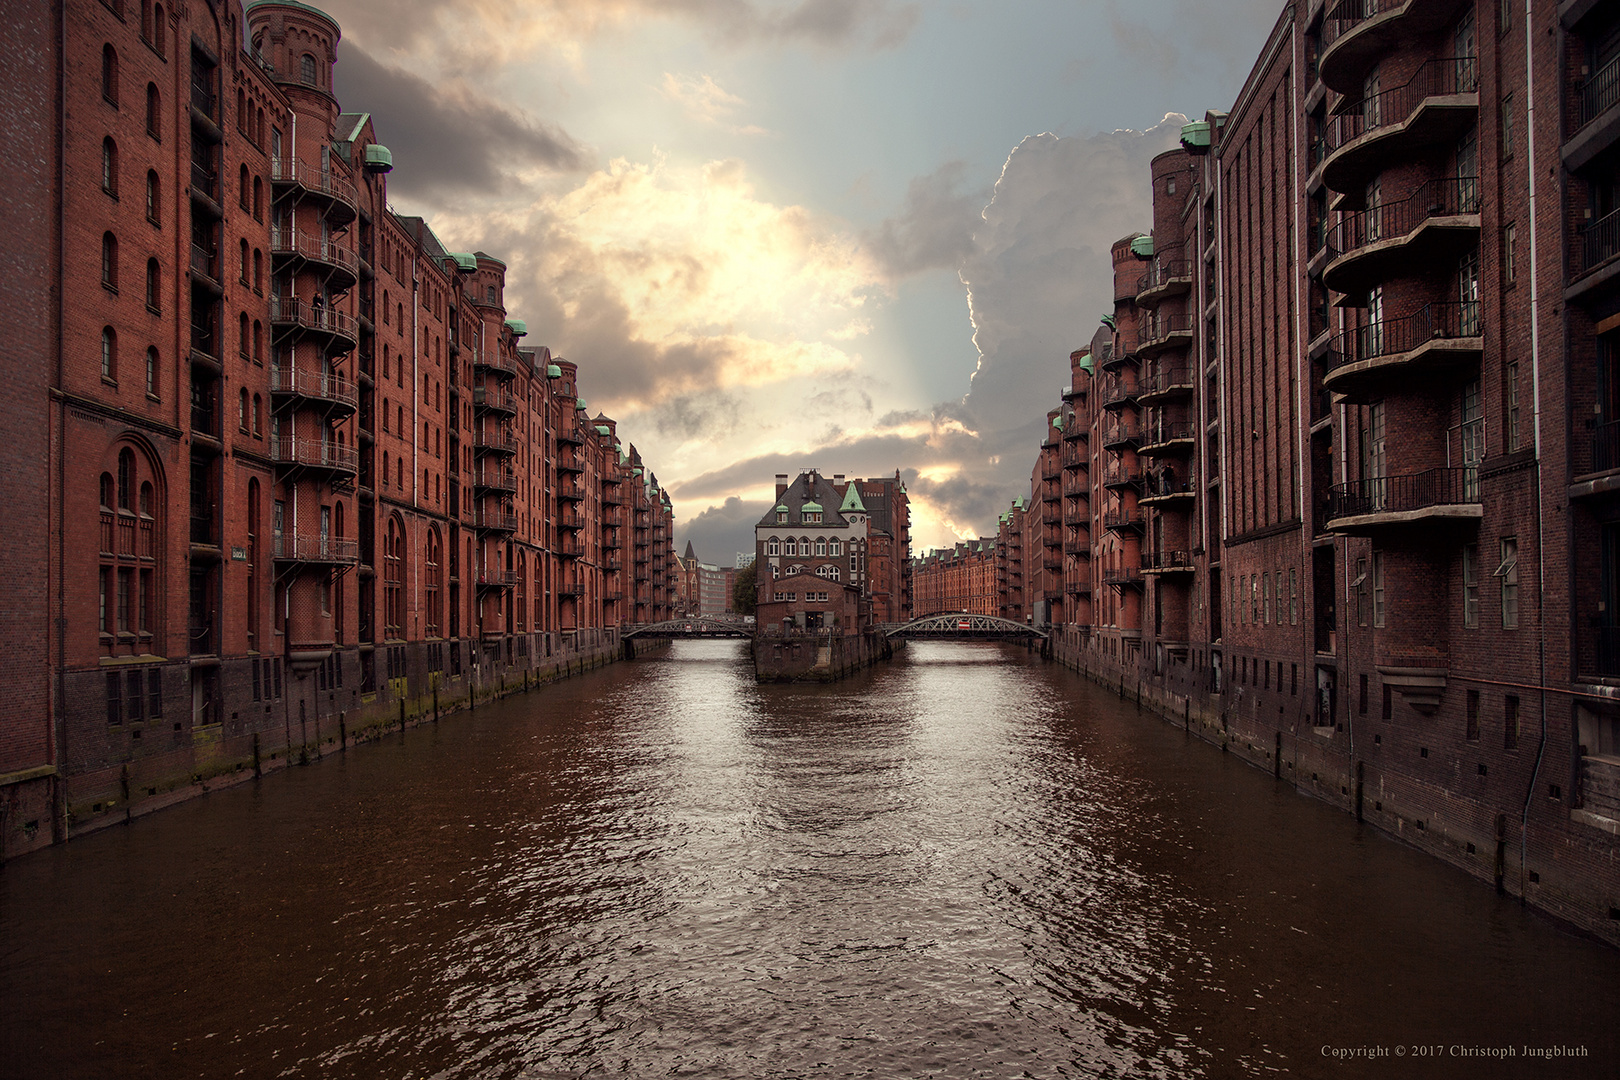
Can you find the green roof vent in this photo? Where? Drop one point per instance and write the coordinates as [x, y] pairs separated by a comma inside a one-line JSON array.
[[379, 159], [553, 371], [466, 261], [852, 502], [517, 326], [1195, 137], [1110, 322], [602, 429], [1142, 247], [580, 404], [780, 509], [811, 508], [1086, 365], [1057, 422]]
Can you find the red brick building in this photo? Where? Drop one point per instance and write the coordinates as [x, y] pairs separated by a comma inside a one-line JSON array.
[[1350, 432], [300, 475], [957, 579]]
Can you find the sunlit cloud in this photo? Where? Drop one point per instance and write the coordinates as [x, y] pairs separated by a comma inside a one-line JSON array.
[[705, 101]]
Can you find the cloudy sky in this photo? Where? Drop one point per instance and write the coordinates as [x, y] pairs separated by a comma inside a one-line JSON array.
[[861, 235]]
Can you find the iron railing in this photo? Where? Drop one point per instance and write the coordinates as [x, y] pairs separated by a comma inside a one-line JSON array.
[[1600, 240], [320, 385], [1447, 197], [316, 453], [1435, 78], [1598, 93], [1451, 486], [302, 547], [1391, 337]]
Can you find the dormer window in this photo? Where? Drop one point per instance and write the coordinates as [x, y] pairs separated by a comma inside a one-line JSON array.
[[812, 518]]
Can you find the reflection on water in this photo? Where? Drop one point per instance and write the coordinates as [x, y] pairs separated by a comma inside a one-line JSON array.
[[964, 863]]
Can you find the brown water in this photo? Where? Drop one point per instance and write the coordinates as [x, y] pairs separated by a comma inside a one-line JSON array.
[[964, 863]]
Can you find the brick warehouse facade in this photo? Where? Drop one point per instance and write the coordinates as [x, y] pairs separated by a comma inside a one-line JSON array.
[[1340, 472], [291, 474]]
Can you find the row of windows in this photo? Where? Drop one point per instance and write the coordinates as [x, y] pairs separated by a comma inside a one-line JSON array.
[[109, 362], [804, 546]]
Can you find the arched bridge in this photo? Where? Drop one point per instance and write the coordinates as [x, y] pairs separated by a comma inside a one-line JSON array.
[[690, 628], [963, 626]]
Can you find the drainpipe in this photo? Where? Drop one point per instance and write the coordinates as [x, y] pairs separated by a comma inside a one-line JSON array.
[[1535, 372], [56, 741]]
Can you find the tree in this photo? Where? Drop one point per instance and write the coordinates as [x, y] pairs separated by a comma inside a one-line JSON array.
[[742, 591]]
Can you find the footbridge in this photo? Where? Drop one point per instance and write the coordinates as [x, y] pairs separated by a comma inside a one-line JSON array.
[[689, 628], [964, 627]]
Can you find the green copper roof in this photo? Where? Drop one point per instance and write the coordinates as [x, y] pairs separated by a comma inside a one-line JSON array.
[[1142, 247], [580, 404], [811, 508], [1195, 137], [553, 371], [1109, 321], [465, 260], [852, 502], [517, 326], [602, 429], [1057, 422], [379, 158], [636, 471], [780, 509], [1086, 365]]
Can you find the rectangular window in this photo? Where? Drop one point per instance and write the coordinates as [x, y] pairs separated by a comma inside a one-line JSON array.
[[126, 599], [1389, 702], [1293, 596], [1508, 573], [115, 704], [1470, 575], [1507, 133], [257, 682], [1265, 599], [1378, 609], [1510, 253], [135, 695], [1510, 722], [1472, 731], [1361, 699]]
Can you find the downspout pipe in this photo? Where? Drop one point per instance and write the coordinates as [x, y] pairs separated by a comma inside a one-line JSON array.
[[1541, 517]]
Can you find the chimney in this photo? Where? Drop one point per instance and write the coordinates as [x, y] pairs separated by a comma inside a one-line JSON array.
[[838, 478], [781, 485]]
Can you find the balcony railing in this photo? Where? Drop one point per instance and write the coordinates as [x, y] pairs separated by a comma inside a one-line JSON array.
[[1122, 575], [495, 521], [1155, 329], [1600, 240], [1449, 197], [501, 441], [1605, 446], [1168, 272], [320, 385], [314, 453], [1161, 562], [1433, 322], [290, 310], [1599, 93], [204, 181], [291, 242], [1122, 519], [495, 479], [301, 547], [1166, 380], [1165, 484], [205, 262], [497, 579], [1404, 494], [321, 181], [487, 398], [1435, 78], [1167, 431]]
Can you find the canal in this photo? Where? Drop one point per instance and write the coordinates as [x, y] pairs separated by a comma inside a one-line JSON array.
[[963, 863]]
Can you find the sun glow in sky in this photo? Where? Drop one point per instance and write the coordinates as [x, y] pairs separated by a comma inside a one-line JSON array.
[[862, 235]]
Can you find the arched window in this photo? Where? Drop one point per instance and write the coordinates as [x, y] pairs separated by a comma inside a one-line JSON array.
[[151, 372], [790, 546], [394, 578], [242, 411], [244, 340], [258, 271], [128, 567], [109, 74], [489, 294], [258, 422], [385, 323], [306, 69], [258, 199], [154, 112], [109, 354], [154, 287], [154, 207], [244, 261], [244, 190], [773, 546], [146, 19], [109, 166], [157, 28], [109, 260], [258, 339]]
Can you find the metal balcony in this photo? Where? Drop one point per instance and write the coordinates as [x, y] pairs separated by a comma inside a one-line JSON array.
[[1165, 384], [323, 184], [1373, 361], [1123, 521], [1427, 230], [338, 263], [493, 362], [486, 480], [1359, 33], [1165, 488], [1165, 439], [293, 547], [1122, 436], [1167, 562], [490, 400], [291, 451], [334, 396], [1159, 332], [1166, 278], [496, 579], [1121, 577], [495, 442], [1418, 502], [338, 326], [1436, 106], [495, 521]]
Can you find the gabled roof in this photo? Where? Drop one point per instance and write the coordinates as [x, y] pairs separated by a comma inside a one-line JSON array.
[[810, 492], [852, 501]]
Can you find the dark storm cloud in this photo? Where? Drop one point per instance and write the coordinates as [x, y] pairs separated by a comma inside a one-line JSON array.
[[935, 228], [720, 532], [447, 138]]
